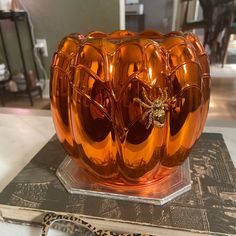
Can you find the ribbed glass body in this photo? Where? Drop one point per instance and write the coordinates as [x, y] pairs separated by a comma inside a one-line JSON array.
[[129, 107]]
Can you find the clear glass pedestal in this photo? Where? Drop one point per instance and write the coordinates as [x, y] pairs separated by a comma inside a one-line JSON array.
[[77, 181]]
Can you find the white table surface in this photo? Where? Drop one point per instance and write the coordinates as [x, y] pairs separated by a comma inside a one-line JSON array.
[[24, 132]]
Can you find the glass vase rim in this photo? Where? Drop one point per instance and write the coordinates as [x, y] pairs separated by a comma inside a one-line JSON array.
[[126, 34]]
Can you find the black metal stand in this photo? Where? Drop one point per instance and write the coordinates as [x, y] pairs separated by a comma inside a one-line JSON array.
[[16, 17]]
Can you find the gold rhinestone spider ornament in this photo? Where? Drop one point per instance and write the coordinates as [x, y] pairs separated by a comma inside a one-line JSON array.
[[156, 110]]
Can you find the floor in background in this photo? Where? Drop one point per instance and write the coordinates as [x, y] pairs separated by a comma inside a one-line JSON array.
[[223, 92], [223, 95], [228, 71]]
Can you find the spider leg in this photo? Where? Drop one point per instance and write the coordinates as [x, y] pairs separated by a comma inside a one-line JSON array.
[[166, 106], [145, 96], [142, 103], [150, 120], [165, 95], [146, 113], [172, 102], [161, 94]]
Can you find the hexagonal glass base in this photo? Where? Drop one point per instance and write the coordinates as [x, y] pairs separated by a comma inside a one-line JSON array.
[[77, 181]]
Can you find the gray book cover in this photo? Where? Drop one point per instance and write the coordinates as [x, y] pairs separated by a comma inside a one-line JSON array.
[[209, 207]]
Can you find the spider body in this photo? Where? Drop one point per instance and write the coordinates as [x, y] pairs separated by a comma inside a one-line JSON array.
[[156, 110]]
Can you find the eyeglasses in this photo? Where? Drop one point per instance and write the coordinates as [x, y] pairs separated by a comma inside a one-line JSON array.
[[69, 225]]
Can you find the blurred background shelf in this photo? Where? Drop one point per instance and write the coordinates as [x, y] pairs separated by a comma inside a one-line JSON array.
[[31, 86]]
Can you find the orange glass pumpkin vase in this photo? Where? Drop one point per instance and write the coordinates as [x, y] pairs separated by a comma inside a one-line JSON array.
[[129, 107]]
